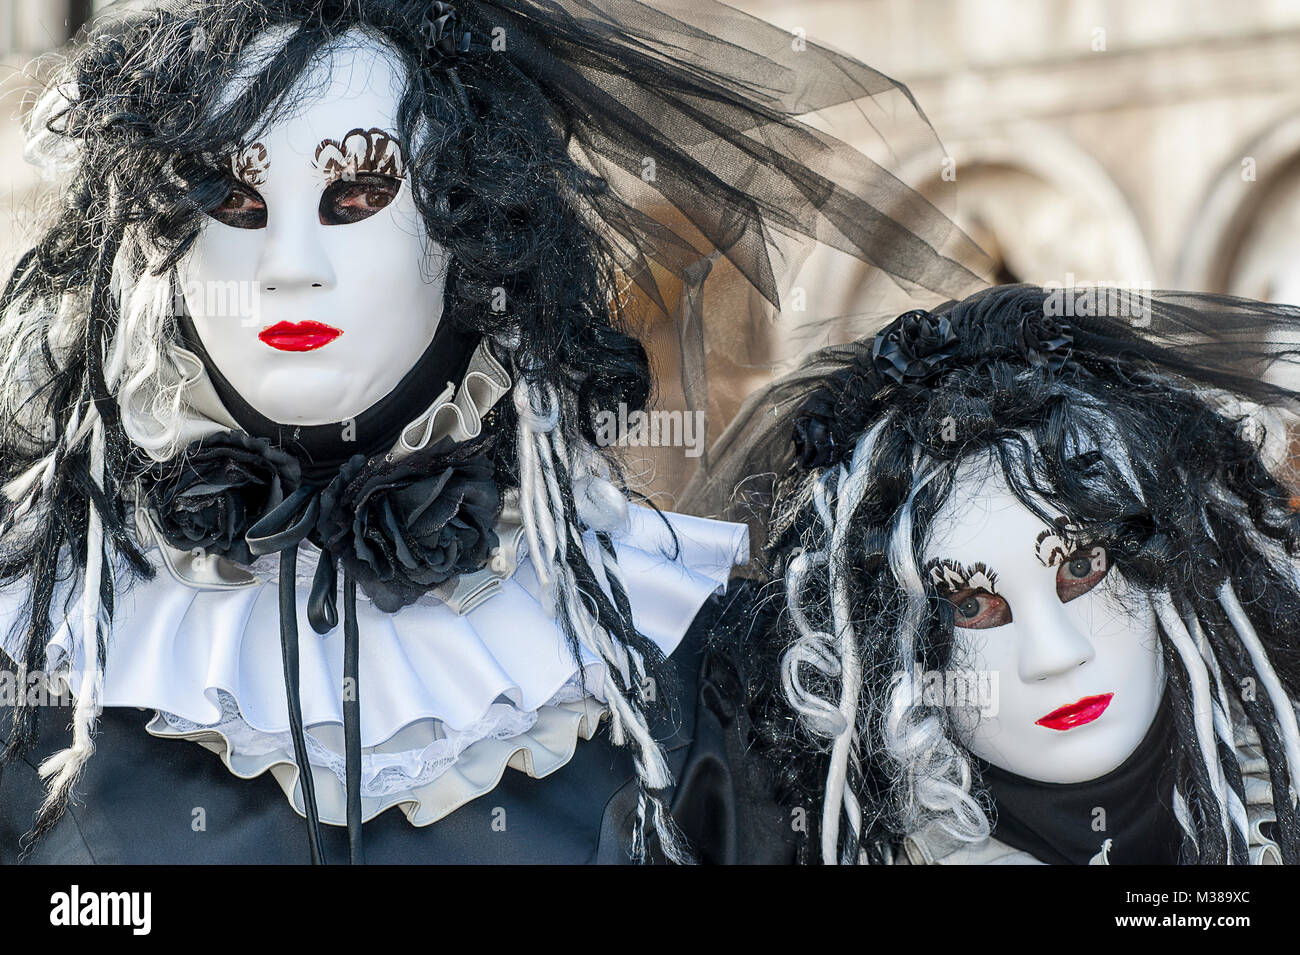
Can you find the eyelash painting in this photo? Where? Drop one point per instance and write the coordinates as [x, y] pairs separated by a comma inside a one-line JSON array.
[[249, 164], [361, 151], [1055, 547], [952, 576]]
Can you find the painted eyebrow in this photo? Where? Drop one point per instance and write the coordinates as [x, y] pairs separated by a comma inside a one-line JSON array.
[[249, 164], [361, 150], [954, 577], [1055, 546]]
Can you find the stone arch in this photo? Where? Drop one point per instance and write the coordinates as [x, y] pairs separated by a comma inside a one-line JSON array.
[[1245, 236], [1041, 206]]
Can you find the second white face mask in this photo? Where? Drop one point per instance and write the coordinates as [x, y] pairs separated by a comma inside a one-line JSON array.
[[1048, 623]]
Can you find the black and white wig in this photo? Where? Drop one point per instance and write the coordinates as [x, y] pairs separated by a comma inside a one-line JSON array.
[[517, 119], [1135, 425]]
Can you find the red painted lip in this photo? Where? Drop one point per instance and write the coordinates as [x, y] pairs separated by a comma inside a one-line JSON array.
[[298, 336], [1076, 714]]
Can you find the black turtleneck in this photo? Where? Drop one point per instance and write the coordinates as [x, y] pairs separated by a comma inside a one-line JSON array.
[[321, 449], [1054, 821]]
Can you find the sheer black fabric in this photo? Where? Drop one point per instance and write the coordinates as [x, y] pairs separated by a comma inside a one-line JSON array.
[[1241, 347]]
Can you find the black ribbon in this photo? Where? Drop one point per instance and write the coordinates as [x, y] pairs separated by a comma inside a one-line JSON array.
[[288, 525], [322, 613], [281, 531], [285, 525], [352, 717], [293, 698]]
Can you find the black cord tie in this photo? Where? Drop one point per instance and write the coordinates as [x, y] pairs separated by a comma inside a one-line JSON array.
[[352, 717], [281, 531], [289, 648]]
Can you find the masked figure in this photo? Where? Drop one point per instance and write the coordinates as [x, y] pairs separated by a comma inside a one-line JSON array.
[[1033, 585], [297, 427]]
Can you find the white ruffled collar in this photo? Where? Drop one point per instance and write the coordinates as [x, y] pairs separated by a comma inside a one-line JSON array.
[[472, 678], [448, 700], [457, 412]]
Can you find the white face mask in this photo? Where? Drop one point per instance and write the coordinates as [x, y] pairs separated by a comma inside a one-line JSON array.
[[1077, 668], [310, 286]]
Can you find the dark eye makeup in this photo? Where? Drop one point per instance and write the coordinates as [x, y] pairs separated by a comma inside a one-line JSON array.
[[242, 208], [979, 610], [344, 201], [348, 200]]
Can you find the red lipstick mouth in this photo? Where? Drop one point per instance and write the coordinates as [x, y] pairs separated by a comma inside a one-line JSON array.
[[1076, 714], [298, 336]]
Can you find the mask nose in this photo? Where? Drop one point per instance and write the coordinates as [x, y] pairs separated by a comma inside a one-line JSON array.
[[1052, 646], [294, 259]]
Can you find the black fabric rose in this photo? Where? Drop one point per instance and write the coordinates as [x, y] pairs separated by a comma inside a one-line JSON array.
[[404, 527], [209, 498], [914, 347], [441, 30], [1045, 340]]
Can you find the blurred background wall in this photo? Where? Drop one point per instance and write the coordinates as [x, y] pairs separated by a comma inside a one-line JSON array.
[[1151, 144], [28, 28], [1155, 141]]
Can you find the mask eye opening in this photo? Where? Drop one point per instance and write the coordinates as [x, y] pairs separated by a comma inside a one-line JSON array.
[[1081, 571], [356, 198], [241, 208]]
